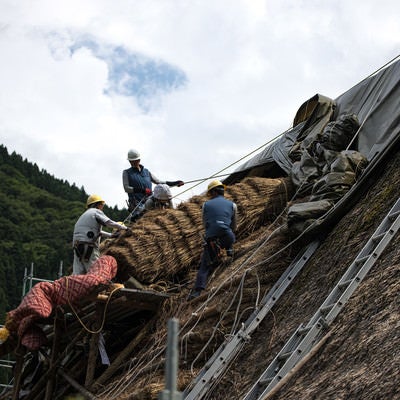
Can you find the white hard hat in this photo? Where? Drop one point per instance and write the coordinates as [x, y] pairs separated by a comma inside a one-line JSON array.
[[162, 192], [133, 155]]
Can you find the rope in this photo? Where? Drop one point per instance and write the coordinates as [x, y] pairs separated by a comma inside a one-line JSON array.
[[141, 363], [375, 72], [77, 316], [204, 179], [215, 328], [142, 200], [123, 383], [216, 174], [370, 110]]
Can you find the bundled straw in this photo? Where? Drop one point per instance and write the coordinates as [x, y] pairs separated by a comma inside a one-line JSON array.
[[166, 243]]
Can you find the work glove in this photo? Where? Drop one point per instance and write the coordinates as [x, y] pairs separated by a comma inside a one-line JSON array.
[[147, 192], [115, 234], [175, 183], [128, 232]]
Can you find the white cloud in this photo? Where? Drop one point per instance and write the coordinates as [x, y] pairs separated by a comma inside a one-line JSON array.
[[249, 65]]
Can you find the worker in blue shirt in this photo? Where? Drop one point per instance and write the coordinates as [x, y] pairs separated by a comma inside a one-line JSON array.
[[219, 219], [137, 181]]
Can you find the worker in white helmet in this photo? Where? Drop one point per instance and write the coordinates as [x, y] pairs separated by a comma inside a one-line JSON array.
[[88, 233], [137, 181], [160, 199], [219, 220]]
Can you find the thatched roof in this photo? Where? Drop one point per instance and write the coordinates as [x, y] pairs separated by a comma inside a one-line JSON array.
[[163, 252], [358, 359]]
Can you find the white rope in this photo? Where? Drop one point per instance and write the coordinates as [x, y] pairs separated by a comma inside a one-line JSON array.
[[216, 174], [200, 310]]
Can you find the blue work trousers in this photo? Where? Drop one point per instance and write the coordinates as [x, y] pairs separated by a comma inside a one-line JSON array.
[[205, 268]]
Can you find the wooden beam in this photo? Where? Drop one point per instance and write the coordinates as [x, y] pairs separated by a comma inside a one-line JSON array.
[[84, 392], [19, 356], [109, 372], [58, 324], [40, 384], [94, 345]]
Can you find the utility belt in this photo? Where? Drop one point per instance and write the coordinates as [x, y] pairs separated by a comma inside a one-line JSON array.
[[83, 250], [213, 250]]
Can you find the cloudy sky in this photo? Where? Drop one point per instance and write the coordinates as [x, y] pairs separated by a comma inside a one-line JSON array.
[[194, 85]]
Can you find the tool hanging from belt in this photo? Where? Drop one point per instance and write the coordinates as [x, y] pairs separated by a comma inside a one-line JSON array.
[[83, 250], [213, 250]]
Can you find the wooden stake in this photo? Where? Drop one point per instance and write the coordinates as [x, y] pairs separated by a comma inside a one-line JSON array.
[[19, 353], [94, 346], [58, 323]]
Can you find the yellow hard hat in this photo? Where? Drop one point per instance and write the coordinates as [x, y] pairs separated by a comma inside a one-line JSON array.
[[94, 198], [214, 184]]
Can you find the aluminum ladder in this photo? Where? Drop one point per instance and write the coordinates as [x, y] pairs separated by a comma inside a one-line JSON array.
[[221, 359], [305, 337]]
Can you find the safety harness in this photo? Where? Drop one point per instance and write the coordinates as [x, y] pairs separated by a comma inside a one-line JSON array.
[[83, 250]]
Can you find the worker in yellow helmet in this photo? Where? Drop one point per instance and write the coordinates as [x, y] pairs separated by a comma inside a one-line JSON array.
[[88, 233], [219, 220]]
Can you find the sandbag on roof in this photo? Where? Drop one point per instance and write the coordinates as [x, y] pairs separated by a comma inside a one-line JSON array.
[[339, 174], [310, 119], [314, 160]]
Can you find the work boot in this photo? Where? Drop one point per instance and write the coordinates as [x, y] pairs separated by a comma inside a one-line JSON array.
[[229, 252], [194, 293]]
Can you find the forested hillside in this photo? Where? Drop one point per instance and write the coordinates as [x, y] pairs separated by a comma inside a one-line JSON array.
[[37, 217]]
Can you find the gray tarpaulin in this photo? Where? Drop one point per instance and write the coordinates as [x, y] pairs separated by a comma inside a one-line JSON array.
[[375, 101]]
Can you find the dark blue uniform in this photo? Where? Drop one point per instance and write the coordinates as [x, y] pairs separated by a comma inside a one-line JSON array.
[[139, 180], [219, 219]]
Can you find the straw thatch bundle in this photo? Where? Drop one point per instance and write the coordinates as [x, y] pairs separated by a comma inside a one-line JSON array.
[[205, 323], [165, 243]]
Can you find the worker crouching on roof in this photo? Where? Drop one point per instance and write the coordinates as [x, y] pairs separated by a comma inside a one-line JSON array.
[[160, 199], [137, 181], [219, 220], [88, 233]]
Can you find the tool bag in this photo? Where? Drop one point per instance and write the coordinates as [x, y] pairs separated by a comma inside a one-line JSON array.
[[83, 251]]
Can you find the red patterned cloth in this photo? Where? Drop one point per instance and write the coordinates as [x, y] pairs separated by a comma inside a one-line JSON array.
[[44, 296]]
